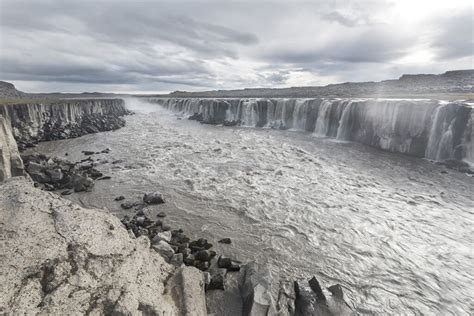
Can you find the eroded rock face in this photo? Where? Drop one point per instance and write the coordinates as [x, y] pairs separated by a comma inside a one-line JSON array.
[[11, 164], [58, 257], [32, 123]]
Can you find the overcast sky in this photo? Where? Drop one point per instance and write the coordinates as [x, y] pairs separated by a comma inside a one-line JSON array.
[[114, 45]]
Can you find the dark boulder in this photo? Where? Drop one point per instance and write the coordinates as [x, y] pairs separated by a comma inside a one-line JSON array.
[[153, 198], [82, 183], [225, 241]]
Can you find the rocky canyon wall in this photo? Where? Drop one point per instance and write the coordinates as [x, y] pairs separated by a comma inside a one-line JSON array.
[[423, 128], [32, 123]]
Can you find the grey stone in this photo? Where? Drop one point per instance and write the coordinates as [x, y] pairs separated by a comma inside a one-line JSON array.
[[153, 198], [55, 175], [187, 286], [70, 249], [177, 259], [165, 236], [164, 249], [256, 290]]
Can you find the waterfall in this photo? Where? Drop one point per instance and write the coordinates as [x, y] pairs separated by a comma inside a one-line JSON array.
[[345, 126], [440, 140], [421, 128], [322, 122]]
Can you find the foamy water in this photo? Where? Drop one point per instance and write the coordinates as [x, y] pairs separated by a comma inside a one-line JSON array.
[[393, 230]]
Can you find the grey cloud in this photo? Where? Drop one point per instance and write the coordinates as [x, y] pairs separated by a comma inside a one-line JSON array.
[[454, 36], [212, 44], [374, 45], [340, 18]]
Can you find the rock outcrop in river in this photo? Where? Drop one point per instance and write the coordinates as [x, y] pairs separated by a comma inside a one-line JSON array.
[[422, 128]]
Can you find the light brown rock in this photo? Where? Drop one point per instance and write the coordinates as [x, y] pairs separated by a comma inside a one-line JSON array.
[[59, 258]]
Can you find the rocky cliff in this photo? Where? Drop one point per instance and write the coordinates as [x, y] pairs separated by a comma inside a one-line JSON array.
[[8, 90], [62, 119], [11, 164], [435, 130], [59, 258]]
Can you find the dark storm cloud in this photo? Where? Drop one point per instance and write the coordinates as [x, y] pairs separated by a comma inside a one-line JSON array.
[[208, 44]]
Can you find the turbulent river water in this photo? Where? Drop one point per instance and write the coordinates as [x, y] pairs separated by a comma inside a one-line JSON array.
[[395, 231]]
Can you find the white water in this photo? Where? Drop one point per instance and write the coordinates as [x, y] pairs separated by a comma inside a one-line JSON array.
[[392, 229], [422, 128]]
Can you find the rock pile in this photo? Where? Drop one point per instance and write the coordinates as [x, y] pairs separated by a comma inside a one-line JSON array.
[[59, 174], [175, 245]]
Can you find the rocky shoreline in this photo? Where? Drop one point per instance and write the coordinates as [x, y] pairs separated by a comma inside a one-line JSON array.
[[193, 279]]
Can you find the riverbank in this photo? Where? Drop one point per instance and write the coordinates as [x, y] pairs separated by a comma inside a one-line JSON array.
[[60, 280]]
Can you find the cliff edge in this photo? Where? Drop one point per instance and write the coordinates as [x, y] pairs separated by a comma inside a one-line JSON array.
[[11, 164], [58, 257]]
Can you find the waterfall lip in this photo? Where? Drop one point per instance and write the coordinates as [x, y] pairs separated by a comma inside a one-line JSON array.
[[412, 126]]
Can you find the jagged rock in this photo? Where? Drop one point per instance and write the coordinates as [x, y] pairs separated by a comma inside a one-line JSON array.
[[255, 289], [228, 302], [177, 259], [217, 279], [286, 299], [128, 205], [188, 286], [311, 300], [165, 236], [58, 257], [153, 198], [336, 291], [56, 175], [164, 249], [203, 255], [82, 183], [316, 287], [207, 279], [224, 262]]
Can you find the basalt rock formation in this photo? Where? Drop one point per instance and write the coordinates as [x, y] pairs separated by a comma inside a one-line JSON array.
[[422, 128], [11, 164], [32, 123]]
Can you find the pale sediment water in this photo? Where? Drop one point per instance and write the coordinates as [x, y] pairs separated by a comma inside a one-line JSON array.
[[394, 230]]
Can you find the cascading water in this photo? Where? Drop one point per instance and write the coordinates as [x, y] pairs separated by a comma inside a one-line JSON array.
[[344, 129], [421, 128], [440, 142], [322, 123]]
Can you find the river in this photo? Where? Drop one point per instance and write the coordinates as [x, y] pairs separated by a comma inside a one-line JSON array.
[[395, 231]]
